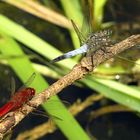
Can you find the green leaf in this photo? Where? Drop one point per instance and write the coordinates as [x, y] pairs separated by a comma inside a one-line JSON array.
[[31, 41], [23, 68], [98, 12], [115, 91], [72, 9]]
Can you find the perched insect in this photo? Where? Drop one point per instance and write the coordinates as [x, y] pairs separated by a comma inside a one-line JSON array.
[[89, 45], [22, 96], [91, 42]]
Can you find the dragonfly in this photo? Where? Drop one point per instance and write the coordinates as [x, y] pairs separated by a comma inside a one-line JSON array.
[[93, 42], [22, 96], [89, 45]]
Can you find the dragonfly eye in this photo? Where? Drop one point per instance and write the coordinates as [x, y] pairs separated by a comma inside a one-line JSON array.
[[31, 91]]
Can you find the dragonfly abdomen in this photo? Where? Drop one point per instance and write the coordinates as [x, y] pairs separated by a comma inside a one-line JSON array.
[[82, 49]]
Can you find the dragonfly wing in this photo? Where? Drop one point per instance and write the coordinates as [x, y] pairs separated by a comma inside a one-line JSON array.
[[87, 26], [79, 34], [98, 40], [13, 86], [130, 58], [28, 82], [53, 104], [30, 79], [80, 50]]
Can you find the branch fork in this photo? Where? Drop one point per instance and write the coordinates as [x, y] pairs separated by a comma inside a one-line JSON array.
[[79, 71]]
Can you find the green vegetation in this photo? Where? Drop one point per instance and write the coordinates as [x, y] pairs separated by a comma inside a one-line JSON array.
[[11, 33]]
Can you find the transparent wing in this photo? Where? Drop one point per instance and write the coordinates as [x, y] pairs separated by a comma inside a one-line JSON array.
[[30, 79], [81, 38], [45, 114], [13, 86], [28, 82], [53, 104], [80, 50], [130, 58], [87, 27], [98, 40]]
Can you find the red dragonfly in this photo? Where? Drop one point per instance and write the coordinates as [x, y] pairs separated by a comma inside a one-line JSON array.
[[22, 96]]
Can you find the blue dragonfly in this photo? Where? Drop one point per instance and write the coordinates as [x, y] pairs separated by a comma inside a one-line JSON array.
[[89, 44]]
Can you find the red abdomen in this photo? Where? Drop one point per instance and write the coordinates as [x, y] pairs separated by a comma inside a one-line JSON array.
[[20, 98], [6, 108]]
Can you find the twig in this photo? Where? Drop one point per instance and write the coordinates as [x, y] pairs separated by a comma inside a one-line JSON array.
[[50, 127], [103, 111], [109, 109], [78, 72]]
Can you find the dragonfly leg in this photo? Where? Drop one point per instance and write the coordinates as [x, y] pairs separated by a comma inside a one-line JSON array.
[[90, 60], [31, 105], [92, 63], [24, 112], [105, 50]]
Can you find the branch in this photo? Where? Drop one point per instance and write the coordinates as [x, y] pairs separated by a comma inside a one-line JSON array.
[[49, 127], [79, 71]]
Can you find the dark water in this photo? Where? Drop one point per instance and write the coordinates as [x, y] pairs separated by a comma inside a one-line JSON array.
[[117, 126]]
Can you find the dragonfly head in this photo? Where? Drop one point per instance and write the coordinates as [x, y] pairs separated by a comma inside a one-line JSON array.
[[31, 91]]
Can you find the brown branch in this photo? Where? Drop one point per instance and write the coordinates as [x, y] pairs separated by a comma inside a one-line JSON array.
[[105, 110], [78, 72], [49, 126], [109, 109]]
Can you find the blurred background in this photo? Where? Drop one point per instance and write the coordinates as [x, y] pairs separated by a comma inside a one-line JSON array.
[[105, 105]]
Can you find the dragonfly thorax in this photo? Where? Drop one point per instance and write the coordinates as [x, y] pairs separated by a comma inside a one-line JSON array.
[[98, 40]]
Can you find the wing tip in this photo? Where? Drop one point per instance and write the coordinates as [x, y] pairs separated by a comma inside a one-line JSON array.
[[53, 61]]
